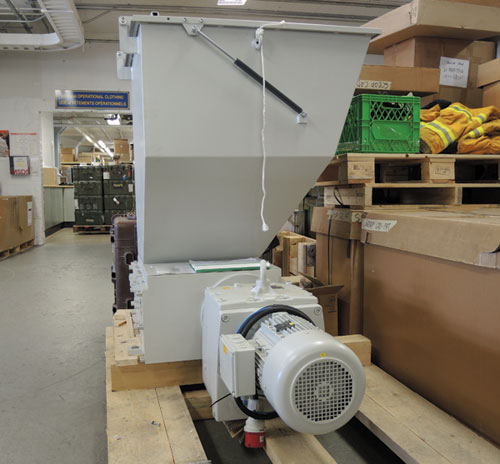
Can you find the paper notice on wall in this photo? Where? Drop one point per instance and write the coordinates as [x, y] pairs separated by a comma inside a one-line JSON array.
[[454, 72], [24, 144], [29, 207], [377, 225]]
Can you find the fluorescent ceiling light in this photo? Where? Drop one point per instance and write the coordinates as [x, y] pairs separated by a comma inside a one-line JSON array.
[[88, 139], [114, 121], [230, 2], [101, 144]]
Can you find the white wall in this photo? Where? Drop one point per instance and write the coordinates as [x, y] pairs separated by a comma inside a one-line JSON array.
[[27, 84]]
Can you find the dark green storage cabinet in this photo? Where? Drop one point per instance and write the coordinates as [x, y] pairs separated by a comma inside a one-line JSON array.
[[87, 173], [88, 188], [89, 218], [89, 203], [119, 202], [118, 187], [118, 172]]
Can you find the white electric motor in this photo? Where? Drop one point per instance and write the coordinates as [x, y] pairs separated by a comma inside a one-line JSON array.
[[313, 382], [272, 352]]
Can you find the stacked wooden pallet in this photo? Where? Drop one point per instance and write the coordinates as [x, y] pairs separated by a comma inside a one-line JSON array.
[[155, 424], [361, 180], [4, 254]]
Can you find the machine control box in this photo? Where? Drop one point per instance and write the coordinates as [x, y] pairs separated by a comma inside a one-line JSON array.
[[237, 364]]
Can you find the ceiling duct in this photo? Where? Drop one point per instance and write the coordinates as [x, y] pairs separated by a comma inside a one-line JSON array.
[[66, 25]]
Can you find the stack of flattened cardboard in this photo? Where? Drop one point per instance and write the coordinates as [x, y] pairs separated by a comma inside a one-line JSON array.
[[431, 306], [441, 34]]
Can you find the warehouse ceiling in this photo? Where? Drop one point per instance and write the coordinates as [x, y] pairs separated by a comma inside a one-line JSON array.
[[76, 128], [100, 19]]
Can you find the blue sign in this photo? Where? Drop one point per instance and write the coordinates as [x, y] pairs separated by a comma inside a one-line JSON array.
[[92, 100]]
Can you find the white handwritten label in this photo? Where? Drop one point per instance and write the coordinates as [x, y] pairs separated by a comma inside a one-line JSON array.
[[373, 85], [377, 225], [454, 72], [29, 208], [345, 215]]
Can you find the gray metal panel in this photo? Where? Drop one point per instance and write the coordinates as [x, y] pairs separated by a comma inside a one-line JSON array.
[[198, 150], [53, 206], [69, 204], [171, 308]]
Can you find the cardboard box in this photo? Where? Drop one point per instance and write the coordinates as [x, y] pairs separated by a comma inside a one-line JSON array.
[[327, 296], [67, 155], [427, 51], [16, 221], [340, 260], [121, 146], [435, 18], [85, 157], [402, 79], [488, 73], [491, 95], [328, 299], [431, 307], [50, 177]]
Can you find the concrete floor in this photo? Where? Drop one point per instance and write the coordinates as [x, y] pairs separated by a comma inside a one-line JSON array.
[[55, 302]]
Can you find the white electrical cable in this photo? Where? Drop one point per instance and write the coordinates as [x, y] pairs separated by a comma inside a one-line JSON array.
[[259, 36]]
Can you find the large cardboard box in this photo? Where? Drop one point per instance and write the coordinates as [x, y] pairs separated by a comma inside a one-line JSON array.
[[435, 18], [50, 177], [67, 155], [400, 79], [16, 221], [339, 260], [427, 51], [122, 148], [431, 307], [491, 95], [85, 157], [488, 72]]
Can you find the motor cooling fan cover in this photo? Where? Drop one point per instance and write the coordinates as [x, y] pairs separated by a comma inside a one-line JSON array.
[[315, 383]]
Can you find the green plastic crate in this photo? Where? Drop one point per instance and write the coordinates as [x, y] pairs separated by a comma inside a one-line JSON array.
[[381, 124]]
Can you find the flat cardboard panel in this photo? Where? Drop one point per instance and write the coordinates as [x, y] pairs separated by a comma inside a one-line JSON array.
[[403, 79], [470, 237], [491, 95], [434, 326], [434, 18], [488, 72]]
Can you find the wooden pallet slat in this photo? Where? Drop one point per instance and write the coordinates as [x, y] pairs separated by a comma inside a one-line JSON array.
[[415, 429], [91, 229], [185, 444]]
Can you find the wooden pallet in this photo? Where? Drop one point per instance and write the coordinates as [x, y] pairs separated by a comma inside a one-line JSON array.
[[102, 229], [16, 250], [358, 168], [412, 193], [155, 425], [128, 372]]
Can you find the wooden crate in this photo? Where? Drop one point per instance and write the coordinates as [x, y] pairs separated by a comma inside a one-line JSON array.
[[361, 168], [287, 253]]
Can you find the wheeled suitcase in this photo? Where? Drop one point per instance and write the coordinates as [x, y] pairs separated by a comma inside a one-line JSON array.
[[124, 244]]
